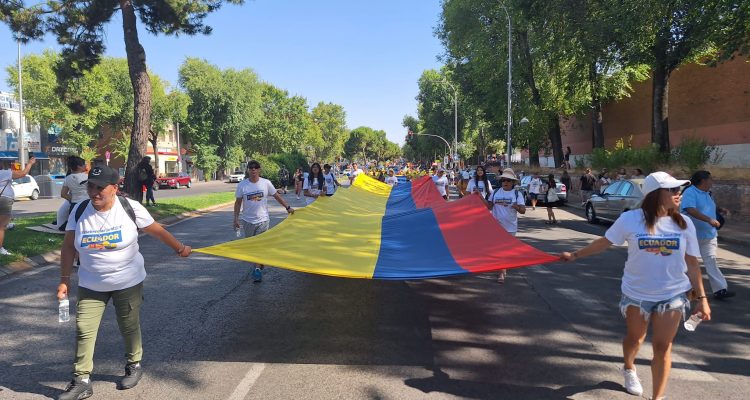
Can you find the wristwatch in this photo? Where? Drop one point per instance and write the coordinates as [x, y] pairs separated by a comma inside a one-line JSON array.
[[288, 207]]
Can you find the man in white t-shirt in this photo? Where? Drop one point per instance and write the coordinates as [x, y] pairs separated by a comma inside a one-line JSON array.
[[391, 180], [535, 189], [506, 203], [355, 171], [252, 199], [441, 183]]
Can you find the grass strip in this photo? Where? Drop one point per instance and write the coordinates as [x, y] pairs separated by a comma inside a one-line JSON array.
[[24, 242]]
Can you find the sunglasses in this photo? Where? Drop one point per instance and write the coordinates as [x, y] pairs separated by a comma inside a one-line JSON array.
[[253, 167], [506, 180], [674, 190]]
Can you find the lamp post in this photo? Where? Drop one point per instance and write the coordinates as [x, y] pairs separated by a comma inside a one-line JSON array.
[[455, 121], [439, 137], [510, 88], [21, 130]]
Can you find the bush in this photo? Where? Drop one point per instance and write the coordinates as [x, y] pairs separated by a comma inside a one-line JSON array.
[[269, 168], [291, 161], [625, 156], [695, 152]]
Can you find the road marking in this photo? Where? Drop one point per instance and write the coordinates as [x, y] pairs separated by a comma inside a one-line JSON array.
[[247, 382]]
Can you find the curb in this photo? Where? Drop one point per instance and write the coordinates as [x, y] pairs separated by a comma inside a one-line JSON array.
[[53, 257]]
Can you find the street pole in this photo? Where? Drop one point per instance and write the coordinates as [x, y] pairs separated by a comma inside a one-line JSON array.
[[439, 137], [455, 121], [510, 88], [179, 150], [21, 133]]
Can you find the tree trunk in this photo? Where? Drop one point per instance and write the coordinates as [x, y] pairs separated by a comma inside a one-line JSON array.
[[597, 127], [660, 109], [555, 139], [153, 139], [533, 155], [142, 98]]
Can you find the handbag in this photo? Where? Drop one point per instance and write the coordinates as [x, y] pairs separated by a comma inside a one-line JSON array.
[[552, 196]]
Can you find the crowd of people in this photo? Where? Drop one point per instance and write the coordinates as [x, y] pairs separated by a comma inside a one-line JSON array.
[[661, 275]]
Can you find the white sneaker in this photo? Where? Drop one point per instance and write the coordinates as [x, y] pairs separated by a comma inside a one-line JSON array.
[[4, 252], [632, 383]]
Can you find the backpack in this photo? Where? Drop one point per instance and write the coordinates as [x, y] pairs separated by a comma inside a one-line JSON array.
[[124, 201], [142, 174]]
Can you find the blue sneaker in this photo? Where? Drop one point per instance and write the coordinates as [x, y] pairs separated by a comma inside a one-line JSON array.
[[257, 275]]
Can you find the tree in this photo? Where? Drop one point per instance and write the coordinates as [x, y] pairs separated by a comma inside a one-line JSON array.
[[282, 125], [360, 142], [331, 119], [80, 29], [667, 34], [224, 106]]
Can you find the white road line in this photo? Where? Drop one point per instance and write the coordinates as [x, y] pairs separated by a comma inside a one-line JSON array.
[[247, 382]]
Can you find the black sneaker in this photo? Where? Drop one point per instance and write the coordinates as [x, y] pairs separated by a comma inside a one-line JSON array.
[[77, 389], [133, 373], [723, 294]]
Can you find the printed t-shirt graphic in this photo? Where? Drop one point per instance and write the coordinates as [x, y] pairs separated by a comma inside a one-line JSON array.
[[255, 199], [330, 186], [655, 269], [480, 185], [502, 201], [314, 189], [107, 243]]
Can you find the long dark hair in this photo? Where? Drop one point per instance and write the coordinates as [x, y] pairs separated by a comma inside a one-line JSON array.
[[310, 176], [650, 207], [551, 181], [75, 162], [484, 177]]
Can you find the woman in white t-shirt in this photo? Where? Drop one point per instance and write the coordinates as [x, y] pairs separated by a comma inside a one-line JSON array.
[[330, 181], [105, 236], [314, 183], [441, 183], [506, 203], [73, 190], [535, 189], [480, 184], [8, 196], [662, 266]]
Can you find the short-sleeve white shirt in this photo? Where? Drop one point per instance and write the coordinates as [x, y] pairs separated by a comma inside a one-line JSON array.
[[535, 186], [329, 185], [77, 189], [255, 199], [441, 184], [6, 178], [107, 244], [391, 181], [502, 208], [314, 189], [479, 186], [655, 269]]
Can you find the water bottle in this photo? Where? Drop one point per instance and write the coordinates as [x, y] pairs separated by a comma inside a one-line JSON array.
[[64, 310], [238, 233], [693, 322]]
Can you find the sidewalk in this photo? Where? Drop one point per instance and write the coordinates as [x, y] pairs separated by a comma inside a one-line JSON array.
[[736, 232]]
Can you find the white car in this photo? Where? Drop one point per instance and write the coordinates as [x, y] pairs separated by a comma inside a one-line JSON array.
[[236, 177], [26, 187]]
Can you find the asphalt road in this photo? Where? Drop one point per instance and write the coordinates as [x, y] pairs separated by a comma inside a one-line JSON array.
[[25, 207], [550, 332]]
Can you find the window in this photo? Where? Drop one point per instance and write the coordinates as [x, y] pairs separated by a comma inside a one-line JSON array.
[[613, 189], [625, 189]]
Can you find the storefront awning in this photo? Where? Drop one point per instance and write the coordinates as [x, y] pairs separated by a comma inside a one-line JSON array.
[[13, 155]]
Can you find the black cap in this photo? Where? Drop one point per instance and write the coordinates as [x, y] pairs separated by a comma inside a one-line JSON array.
[[103, 175]]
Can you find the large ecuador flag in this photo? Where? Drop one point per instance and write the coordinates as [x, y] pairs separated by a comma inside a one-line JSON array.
[[372, 231]]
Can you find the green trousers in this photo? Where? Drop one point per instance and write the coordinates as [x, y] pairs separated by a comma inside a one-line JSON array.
[[91, 305]]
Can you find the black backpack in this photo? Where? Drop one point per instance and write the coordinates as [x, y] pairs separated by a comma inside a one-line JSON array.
[[124, 201]]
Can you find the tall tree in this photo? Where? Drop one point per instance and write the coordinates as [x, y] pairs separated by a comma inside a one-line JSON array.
[[282, 124], [80, 29], [667, 34], [331, 118]]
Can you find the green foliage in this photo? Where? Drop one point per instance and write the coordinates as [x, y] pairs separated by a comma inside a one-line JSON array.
[[88, 154], [269, 168], [694, 152], [282, 124], [331, 119], [206, 158], [291, 161], [624, 155], [120, 145]]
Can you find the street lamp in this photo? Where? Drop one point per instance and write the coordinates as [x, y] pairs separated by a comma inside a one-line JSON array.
[[455, 122], [510, 71], [439, 137]]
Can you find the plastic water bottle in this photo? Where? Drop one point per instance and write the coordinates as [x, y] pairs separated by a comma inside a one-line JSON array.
[[693, 322], [64, 310], [238, 233]]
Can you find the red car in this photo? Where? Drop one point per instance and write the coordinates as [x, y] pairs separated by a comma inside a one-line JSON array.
[[174, 180]]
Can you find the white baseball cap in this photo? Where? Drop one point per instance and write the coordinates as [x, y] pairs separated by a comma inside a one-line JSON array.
[[661, 180]]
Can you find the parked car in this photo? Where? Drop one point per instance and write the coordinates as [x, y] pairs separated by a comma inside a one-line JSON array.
[[175, 180], [26, 187], [560, 189], [619, 197], [236, 177]]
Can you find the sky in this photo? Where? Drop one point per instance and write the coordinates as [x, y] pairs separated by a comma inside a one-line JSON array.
[[366, 56]]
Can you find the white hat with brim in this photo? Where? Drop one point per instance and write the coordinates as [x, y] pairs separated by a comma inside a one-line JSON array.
[[508, 174], [661, 180]]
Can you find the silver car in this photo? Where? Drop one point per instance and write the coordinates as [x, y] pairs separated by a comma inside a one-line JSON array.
[[619, 197], [560, 189]]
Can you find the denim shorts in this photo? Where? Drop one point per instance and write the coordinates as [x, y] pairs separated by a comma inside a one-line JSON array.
[[677, 303]]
